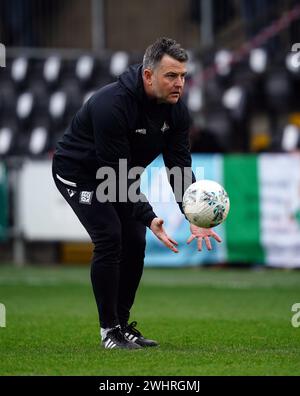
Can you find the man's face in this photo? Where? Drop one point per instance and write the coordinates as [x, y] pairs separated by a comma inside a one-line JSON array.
[[167, 80]]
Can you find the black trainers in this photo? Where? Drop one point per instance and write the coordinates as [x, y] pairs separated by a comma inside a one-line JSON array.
[[115, 339], [133, 335]]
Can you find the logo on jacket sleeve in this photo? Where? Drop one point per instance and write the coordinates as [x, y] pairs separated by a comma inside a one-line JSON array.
[[86, 197], [71, 192], [165, 127]]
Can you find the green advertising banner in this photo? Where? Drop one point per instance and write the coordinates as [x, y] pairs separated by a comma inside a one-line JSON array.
[[243, 223], [263, 225]]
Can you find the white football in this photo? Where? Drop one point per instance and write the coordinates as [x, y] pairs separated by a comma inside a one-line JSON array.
[[206, 203]]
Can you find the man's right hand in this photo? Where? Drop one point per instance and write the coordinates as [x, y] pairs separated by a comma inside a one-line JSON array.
[[158, 230]]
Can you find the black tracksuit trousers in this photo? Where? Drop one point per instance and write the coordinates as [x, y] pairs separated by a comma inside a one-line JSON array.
[[119, 249]]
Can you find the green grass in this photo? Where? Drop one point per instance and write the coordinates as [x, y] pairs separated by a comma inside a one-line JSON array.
[[208, 322]]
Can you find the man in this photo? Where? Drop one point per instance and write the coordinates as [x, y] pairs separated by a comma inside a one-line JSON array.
[[134, 119]]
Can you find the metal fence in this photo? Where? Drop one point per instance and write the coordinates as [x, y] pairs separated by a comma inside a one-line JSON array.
[[132, 24], [46, 23]]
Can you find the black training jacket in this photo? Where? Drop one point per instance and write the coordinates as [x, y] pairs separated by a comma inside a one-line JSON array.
[[120, 122]]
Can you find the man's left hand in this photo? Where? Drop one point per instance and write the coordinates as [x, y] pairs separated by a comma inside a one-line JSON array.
[[201, 233]]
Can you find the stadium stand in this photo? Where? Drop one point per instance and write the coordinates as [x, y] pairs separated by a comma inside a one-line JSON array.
[[38, 97], [228, 91]]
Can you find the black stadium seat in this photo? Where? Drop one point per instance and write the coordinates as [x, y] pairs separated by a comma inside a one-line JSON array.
[[20, 72], [7, 141], [64, 102], [118, 63], [58, 108], [25, 108], [39, 141], [7, 98], [52, 71], [278, 90], [85, 71]]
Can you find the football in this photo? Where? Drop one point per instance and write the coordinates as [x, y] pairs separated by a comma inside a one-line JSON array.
[[206, 203]]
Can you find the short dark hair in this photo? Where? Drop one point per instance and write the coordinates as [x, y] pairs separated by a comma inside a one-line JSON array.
[[163, 46]]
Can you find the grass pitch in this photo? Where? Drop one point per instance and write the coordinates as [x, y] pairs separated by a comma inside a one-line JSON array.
[[208, 322]]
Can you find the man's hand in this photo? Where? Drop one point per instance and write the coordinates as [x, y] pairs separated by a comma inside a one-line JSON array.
[[201, 233], [158, 230]]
